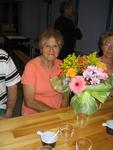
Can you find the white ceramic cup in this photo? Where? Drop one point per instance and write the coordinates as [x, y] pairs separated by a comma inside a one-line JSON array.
[[109, 126], [108, 123], [48, 138]]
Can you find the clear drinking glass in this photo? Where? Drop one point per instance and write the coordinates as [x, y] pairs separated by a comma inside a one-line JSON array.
[[83, 144], [81, 120], [66, 131], [45, 148]]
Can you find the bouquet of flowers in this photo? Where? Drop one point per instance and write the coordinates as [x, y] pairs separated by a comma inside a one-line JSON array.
[[87, 78]]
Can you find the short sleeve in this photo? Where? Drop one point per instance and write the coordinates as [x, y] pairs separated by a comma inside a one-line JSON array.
[[11, 73], [28, 76]]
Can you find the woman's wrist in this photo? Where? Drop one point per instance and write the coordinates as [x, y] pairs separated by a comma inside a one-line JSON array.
[[9, 113]]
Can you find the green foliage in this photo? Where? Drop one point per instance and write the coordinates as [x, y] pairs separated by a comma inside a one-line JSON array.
[[92, 59], [57, 84], [87, 101], [109, 81], [101, 96], [68, 62], [84, 103]]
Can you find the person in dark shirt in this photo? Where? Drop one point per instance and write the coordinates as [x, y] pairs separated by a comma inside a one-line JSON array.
[[67, 28]]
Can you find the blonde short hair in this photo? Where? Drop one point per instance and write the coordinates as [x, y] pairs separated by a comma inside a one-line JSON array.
[[48, 33]]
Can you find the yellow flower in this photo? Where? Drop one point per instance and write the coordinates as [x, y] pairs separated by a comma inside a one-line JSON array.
[[102, 66], [92, 59], [71, 72]]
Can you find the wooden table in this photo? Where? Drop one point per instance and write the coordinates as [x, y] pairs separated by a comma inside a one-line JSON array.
[[20, 133]]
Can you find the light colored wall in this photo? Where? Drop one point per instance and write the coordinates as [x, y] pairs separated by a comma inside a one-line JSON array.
[[92, 21]]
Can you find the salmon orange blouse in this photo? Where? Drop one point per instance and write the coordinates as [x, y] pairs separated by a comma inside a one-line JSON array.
[[35, 74]]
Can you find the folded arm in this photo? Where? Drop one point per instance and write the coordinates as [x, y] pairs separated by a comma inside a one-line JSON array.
[[29, 100]]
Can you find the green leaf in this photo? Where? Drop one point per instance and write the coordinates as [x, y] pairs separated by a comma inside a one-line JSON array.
[[109, 81], [84, 103], [100, 96], [58, 86], [99, 87], [92, 59]]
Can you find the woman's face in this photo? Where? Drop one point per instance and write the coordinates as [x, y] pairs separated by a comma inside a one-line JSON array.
[[50, 49], [108, 47]]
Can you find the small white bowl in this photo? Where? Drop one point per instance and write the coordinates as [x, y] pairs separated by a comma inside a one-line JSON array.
[[109, 126]]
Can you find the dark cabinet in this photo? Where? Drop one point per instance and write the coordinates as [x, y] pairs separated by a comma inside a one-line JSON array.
[[8, 17]]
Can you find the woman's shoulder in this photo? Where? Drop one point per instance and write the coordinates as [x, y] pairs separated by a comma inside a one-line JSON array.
[[33, 60]]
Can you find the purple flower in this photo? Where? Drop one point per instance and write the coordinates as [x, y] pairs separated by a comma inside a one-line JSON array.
[[95, 80], [94, 74]]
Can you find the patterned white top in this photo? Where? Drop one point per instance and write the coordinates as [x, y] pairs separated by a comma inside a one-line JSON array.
[[8, 76]]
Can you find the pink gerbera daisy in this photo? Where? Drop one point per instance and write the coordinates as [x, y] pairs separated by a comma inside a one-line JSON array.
[[77, 84]]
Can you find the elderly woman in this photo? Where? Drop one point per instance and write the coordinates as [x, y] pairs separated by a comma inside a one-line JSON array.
[[106, 47], [39, 95]]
